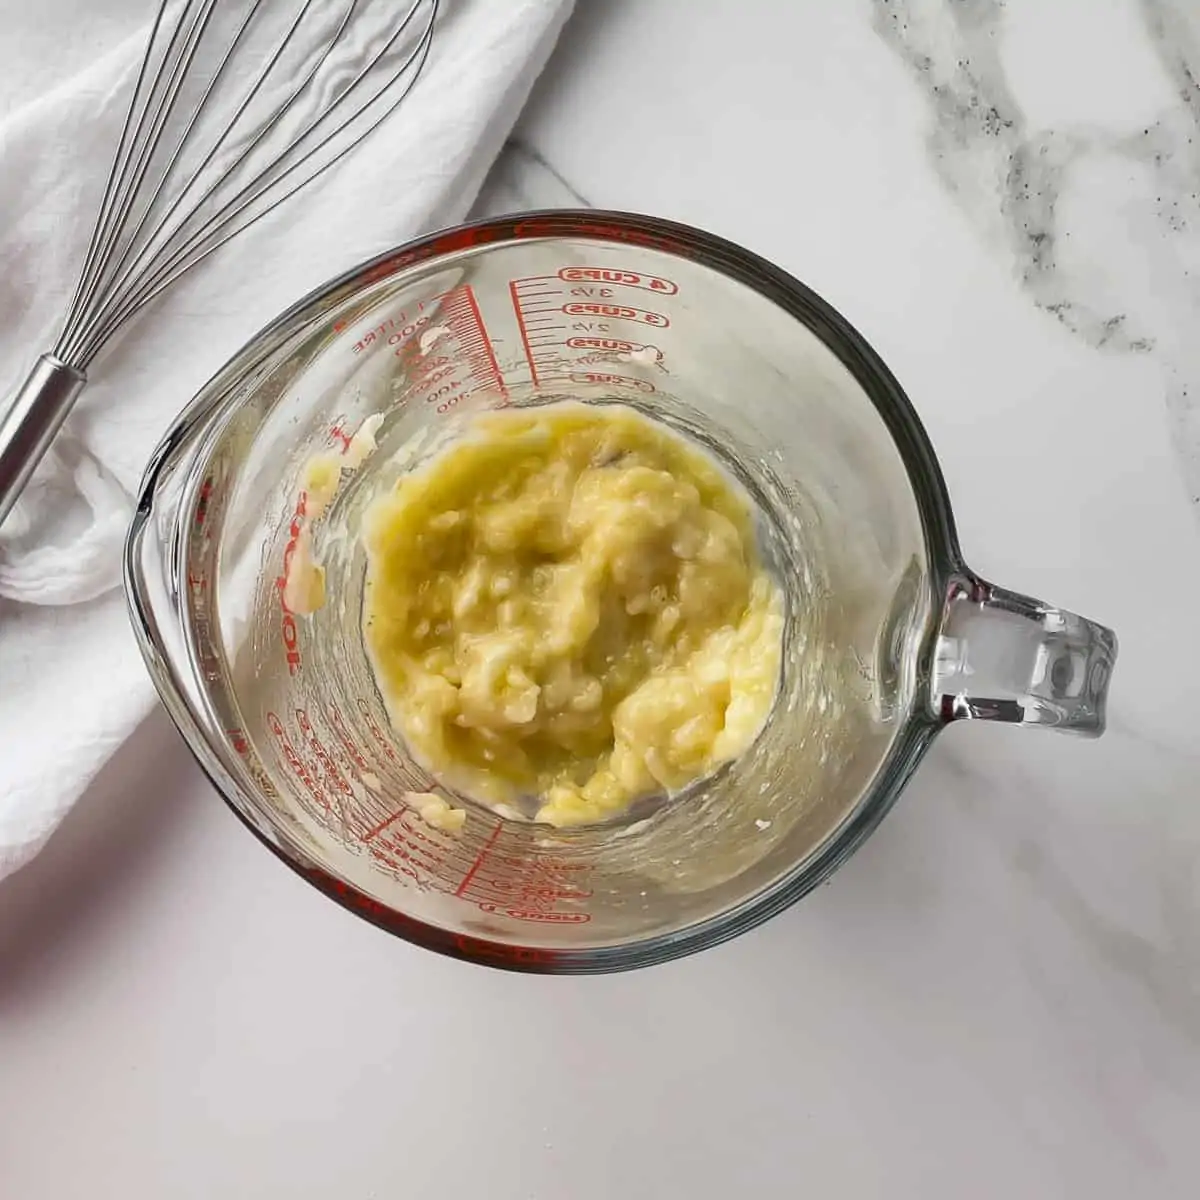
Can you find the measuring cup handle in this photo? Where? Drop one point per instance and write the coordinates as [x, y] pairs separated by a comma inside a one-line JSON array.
[[1002, 656]]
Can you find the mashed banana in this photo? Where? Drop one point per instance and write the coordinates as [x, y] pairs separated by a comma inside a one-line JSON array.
[[568, 604]]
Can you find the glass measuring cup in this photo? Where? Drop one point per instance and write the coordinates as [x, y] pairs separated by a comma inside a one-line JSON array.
[[889, 635]]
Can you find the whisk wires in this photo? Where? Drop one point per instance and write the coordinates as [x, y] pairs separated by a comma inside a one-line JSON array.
[[232, 113]]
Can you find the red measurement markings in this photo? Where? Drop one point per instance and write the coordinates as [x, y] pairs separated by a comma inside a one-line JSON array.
[[611, 345], [522, 888], [422, 370], [534, 889], [396, 329], [615, 312], [434, 860], [376, 830], [381, 739], [527, 299], [545, 916], [241, 744], [537, 302], [574, 310], [526, 888], [480, 858], [600, 377], [459, 361], [621, 278], [299, 768], [289, 631], [338, 725], [326, 791], [466, 324], [202, 501], [333, 779], [394, 856]]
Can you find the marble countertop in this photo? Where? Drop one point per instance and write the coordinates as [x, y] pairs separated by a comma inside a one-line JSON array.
[[1000, 995]]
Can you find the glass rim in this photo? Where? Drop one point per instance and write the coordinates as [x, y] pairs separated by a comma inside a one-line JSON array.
[[725, 258]]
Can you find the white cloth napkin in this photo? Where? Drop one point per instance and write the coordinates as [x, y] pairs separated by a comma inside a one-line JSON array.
[[72, 684]]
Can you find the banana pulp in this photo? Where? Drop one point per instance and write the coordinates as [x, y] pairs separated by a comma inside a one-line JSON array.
[[568, 604]]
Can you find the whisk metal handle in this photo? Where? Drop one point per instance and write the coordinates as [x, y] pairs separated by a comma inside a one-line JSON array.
[[32, 420]]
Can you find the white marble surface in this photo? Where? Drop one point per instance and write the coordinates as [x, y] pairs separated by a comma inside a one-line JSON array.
[[1000, 995]]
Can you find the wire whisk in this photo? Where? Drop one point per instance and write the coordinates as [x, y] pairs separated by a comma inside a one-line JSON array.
[[237, 106]]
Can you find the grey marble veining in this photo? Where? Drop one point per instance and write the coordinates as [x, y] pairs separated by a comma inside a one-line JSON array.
[[1018, 182], [521, 179]]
